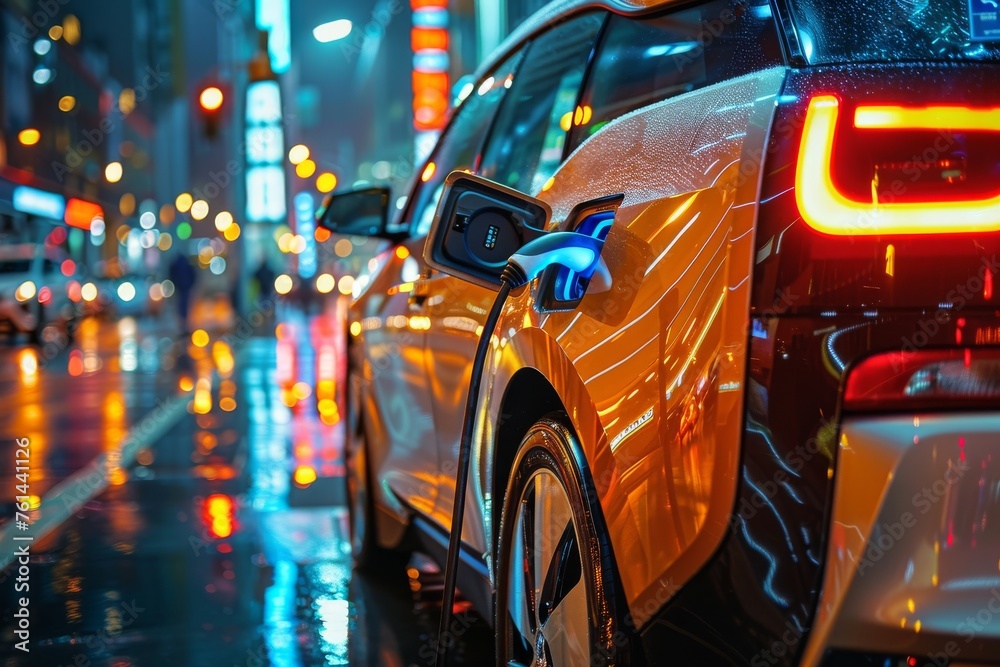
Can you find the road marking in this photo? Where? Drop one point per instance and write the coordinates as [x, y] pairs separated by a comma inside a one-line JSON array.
[[68, 496]]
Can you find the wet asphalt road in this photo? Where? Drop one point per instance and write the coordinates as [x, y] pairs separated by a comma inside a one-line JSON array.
[[188, 503]]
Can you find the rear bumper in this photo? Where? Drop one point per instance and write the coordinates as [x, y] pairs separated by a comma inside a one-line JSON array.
[[913, 559], [758, 600]]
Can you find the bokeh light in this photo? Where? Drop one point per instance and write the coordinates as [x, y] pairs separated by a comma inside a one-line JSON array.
[[223, 220], [183, 202], [29, 136], [298, 154], [305, 169], [326, 182], [283, 284], [325, 283], [199, 209]]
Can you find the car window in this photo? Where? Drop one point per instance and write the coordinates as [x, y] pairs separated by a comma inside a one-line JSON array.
[[837, 31], [15, 266], [641, 62], [528, 143], [461, 145]]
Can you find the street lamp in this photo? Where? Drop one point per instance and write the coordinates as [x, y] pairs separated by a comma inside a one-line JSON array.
[[332, 31]]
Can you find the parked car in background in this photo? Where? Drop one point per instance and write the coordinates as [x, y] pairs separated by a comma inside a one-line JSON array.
[[773, 441], [37, 289]]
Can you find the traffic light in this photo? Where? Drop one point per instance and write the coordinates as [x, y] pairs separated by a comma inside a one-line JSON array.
[[211, 105]]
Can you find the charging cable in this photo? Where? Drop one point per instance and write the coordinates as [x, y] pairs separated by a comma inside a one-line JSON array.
[[579, 253]]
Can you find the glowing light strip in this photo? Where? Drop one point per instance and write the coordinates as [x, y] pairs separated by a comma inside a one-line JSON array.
[[827, 210], [927, 118]]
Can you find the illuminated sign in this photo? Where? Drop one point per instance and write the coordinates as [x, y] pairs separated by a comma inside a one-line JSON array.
[[274, 16], [305, 226], [265, 150], [264, 103], [984, 20], [39, 202], [81, 214], [431, 63], [266, 194]]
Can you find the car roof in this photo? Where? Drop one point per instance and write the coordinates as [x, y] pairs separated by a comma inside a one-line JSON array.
[[559, 10]]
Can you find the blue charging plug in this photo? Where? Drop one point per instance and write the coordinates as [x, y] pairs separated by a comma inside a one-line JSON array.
[[575, 252]]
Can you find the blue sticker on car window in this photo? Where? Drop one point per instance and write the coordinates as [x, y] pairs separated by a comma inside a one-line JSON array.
[[984, 20]]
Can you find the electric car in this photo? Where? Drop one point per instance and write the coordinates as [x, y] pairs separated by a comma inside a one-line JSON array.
[[771, 437]]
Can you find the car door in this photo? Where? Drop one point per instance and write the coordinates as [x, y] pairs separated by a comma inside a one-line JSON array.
[[396, 335], [675, 116], [525, 148]]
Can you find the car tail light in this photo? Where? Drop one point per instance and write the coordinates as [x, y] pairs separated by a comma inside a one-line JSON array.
[[925, 380], [844, 169], [881, 189]]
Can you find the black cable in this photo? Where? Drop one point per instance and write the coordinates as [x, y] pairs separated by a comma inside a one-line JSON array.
[[512, 277]]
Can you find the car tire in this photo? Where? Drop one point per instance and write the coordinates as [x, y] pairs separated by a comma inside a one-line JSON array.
[[556, 599], [366, 553]]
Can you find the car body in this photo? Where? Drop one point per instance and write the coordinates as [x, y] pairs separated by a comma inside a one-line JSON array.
[[36, 287], [783, 414]]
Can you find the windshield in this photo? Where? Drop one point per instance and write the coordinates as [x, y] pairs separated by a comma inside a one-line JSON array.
[[15, 265], [839, 31]]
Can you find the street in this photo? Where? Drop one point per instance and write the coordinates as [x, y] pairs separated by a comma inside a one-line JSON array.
[[189, 505]]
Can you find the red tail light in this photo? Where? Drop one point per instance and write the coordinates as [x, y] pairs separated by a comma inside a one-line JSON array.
[[828, 208], [870, 201], [925, 380]]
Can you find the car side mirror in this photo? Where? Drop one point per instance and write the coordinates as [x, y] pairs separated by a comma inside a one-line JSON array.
[[356, 213], [478, 225]]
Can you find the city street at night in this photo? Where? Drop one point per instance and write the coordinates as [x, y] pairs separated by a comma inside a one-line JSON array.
[[197, 526], [513, 333]]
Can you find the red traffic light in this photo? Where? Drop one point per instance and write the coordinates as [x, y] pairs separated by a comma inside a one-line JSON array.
[[211, 98]]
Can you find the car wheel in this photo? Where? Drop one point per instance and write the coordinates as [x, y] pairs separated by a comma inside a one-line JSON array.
[[556, 601], [366, 553]]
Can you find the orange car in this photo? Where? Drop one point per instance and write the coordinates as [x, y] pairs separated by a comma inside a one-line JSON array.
[[772, 439]]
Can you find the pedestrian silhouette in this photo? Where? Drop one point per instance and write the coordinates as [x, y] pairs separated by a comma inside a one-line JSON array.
[[183, 276]]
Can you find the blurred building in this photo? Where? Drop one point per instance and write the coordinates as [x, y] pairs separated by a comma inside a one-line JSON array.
[[103, 118], [87, 92]]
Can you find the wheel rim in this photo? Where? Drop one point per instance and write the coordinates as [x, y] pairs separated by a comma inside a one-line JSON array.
[[548, 624]]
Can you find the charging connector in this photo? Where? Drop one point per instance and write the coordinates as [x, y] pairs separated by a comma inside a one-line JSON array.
[[577, 252]]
